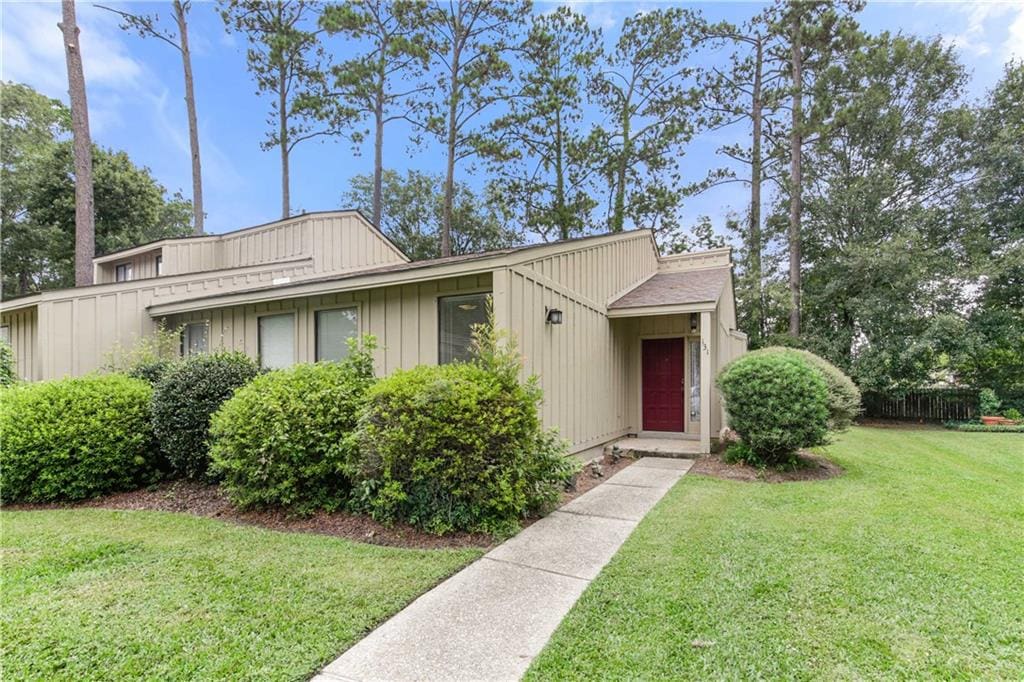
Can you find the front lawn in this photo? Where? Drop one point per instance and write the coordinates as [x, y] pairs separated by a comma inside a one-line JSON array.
[[907, 566], [95, 594]]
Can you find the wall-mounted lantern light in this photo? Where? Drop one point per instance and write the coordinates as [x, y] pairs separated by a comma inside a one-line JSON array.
[[554, 316], [694, 322]]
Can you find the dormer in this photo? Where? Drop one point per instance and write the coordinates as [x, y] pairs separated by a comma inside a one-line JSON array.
[[143, 262]]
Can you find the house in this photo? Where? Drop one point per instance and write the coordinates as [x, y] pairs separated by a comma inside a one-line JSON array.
[[624, 340]]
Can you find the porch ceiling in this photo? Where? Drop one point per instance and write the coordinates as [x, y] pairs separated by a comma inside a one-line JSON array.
[[675, 290]]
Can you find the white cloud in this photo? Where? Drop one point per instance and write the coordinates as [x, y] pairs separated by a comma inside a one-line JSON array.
[[1014, 45], [984, 21]]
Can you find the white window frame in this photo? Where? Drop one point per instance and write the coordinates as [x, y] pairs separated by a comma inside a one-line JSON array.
[[127, 269], [259, 336], [316, 325], [5, 333], [159, 261]]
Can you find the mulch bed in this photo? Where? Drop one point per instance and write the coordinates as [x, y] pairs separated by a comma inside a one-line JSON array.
[[204, 499], [811, 467]]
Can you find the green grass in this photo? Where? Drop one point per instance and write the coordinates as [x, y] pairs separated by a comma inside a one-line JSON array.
[[92, 594], [911, 565]]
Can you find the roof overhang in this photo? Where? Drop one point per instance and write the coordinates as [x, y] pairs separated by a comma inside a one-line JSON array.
[[20, 303], [652, 310]]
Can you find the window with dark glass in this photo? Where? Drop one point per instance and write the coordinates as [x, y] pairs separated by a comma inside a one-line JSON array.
[[457, 315], [195, 339], [333, 330], [277, 341], [159, 265], [123, 272]]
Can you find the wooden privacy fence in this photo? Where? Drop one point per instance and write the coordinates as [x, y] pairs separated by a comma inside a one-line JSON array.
[[926, 404]]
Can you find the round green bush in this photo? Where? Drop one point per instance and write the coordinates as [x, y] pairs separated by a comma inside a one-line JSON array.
[[776, 402], [185, 398], [76, 438], [456, 447], [843, 395], [286, 438], [7, 374]]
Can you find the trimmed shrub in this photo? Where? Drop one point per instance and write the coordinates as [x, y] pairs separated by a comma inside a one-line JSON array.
[[8, 375], [456, 447], [988, 402], [975, 427], [844, 400], [185, 398], [1013, 413], [76, 438], [777, 403], [286, 438]]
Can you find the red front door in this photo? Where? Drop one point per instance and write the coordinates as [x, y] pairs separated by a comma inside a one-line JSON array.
[[662, 384]]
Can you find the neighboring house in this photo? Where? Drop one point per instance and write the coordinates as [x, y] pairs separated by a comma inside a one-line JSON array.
[[625, 341]]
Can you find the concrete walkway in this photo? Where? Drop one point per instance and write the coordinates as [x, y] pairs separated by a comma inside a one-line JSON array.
[[490, 620]]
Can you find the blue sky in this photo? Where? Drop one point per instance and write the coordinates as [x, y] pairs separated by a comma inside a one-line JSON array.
[[135, 97]]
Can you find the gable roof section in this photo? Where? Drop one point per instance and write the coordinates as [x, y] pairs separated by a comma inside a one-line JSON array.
[[676, 289], [130, 251], [399, 273]]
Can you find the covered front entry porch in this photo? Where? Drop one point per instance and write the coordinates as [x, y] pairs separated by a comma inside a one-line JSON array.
[[669, 368]]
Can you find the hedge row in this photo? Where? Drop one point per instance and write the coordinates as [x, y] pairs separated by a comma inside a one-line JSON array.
[[455, 447], [976, 427]]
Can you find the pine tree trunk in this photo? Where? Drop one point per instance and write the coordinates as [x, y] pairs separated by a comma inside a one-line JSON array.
[[282, 102], [198, 215], [449, 180], [619, 213], [560, 209], [85, 228], [796, 180], [378, 156], [754, 243]]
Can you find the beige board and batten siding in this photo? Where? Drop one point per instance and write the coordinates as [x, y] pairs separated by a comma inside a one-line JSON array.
[[88, 327], [403, 318], [337, 242], [582, 364], [23, 330]]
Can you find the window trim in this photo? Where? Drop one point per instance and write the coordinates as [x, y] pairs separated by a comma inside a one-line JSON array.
[[159, 263], [488, 292], [185, 334], [332, 308], [259, 335], [5, 334], [128, 270]]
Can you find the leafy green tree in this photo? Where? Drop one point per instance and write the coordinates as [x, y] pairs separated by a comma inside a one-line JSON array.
[[986, 347], [468, 42], [548, 180], [285, 58], [645, 90], [412, 214], [883, 231], [380, 83], [38, 212]]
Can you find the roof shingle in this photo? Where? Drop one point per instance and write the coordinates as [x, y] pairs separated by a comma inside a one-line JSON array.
[[676, 288]]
